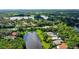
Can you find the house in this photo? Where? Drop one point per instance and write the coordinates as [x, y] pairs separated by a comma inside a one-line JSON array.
[[46, 27], [62, 46], [55, 39], [14, 33], [57, 42], [53, 35], [10, 37]]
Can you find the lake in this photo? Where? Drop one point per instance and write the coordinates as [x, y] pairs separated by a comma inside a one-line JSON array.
[[32, 41]]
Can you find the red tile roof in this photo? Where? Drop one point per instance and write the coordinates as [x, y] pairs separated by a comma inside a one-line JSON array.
[[14, 33], [63, 46]]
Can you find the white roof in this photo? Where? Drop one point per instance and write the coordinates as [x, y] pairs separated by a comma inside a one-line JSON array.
[[45, 17], [56, 42], [54, 38], [51, 34], [18, 18]]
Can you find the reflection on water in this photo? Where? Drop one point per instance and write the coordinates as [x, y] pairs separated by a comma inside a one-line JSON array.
[[77, 27], [32, 41]]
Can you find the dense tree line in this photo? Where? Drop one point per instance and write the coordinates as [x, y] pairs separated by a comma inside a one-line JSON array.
[[18, 43], [68, 34]]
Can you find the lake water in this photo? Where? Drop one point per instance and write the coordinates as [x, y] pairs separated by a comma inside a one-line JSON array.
[[32, 41], [77, 27]]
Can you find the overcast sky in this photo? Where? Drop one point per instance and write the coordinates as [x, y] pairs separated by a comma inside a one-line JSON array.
[[39, 4]]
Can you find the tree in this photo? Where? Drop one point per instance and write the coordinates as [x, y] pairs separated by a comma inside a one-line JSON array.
[[68, 33], [18, 43], [42, 36]]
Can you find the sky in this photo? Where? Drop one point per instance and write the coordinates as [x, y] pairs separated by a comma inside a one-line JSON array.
[[39, 4]]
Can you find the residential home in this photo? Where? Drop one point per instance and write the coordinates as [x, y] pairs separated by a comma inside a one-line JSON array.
[[62, 46], [57, 42], [14, 33], [56, 38], [10, 37], [51, 34]]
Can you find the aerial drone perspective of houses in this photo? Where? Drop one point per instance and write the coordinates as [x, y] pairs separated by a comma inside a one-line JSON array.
[[39, 29]]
